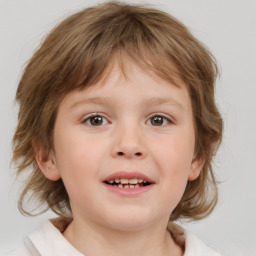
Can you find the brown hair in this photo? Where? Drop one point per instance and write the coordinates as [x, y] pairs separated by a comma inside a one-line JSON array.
[[77, 53]]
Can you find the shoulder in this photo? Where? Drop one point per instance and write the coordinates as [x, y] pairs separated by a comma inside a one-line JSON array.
[[195, 247], [26, 248], [47, 240], [190, 243], [21, 251]]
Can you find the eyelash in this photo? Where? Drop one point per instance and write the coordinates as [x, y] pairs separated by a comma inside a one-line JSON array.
[[88, 120], [165, 119]]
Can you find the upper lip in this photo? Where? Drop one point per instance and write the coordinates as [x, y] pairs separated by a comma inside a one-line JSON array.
[[128, 175]]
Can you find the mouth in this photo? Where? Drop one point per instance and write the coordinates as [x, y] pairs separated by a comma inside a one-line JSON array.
[[127, 183], [128, 180]]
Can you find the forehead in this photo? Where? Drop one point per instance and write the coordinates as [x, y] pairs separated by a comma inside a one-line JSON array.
[[131, 83], [132, 75]]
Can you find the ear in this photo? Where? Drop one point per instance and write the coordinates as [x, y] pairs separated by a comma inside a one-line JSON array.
[[197, 165], [46, 160]]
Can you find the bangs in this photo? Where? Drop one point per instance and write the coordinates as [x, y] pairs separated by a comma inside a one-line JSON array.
[[93, 62]]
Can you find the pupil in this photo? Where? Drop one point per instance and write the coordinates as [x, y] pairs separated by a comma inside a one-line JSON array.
[[157, 120], [96, 120]]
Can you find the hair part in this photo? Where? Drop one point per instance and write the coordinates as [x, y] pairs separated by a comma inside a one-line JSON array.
[[78, 53]]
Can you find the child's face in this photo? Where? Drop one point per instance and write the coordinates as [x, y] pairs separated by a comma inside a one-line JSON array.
[[140, 127]]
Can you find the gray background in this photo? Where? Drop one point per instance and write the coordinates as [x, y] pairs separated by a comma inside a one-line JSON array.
[[228, 28]]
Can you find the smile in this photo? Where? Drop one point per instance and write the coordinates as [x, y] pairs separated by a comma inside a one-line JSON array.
[[131, 184], [127, 183]]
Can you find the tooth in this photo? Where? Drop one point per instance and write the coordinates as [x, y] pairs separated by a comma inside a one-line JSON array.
[[117, 180], [126, 186], [115, 185], [132, 186], [133, 181], [140, 180], [137, 186], [111, 181], [124, 181], [120, 186]]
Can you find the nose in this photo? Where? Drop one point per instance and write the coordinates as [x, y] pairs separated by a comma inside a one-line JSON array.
[[129, 144]]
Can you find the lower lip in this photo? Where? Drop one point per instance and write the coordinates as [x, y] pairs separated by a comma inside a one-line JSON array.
[[129, 192]]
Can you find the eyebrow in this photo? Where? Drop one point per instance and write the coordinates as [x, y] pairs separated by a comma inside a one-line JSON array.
[[109, 101], [94, 100], [166, 100]]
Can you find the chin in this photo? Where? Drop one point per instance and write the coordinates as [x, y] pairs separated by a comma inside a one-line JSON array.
[[130, 221]]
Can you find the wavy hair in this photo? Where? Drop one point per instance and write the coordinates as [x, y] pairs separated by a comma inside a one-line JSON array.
[[77, 53]]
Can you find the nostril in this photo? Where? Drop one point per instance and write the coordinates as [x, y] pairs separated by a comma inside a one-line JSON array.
[[120, 153]]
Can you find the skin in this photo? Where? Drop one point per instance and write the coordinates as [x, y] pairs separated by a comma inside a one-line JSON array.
[[128, 139]]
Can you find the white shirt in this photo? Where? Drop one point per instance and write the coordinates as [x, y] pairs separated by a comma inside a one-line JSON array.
[[49, 241]]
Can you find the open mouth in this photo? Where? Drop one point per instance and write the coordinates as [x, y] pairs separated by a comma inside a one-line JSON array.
[[127, 183]]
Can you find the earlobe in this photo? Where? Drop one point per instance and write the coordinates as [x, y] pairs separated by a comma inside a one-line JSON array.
[[197, 165], [46, 161]]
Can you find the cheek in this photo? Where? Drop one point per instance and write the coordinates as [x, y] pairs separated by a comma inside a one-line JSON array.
[[79, 159], [173, 158], [75, 148], [78, 169], [174, 154]]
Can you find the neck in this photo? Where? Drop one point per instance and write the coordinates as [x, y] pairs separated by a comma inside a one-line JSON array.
[[97, 240]]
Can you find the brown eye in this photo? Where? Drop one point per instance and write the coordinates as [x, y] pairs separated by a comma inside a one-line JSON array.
[[159, 120], [96, 121]]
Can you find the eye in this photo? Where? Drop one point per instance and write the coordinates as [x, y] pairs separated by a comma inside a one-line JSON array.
[[158, 120], [96, 120]]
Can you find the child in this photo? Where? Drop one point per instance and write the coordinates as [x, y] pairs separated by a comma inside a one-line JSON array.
[[118, 122]]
